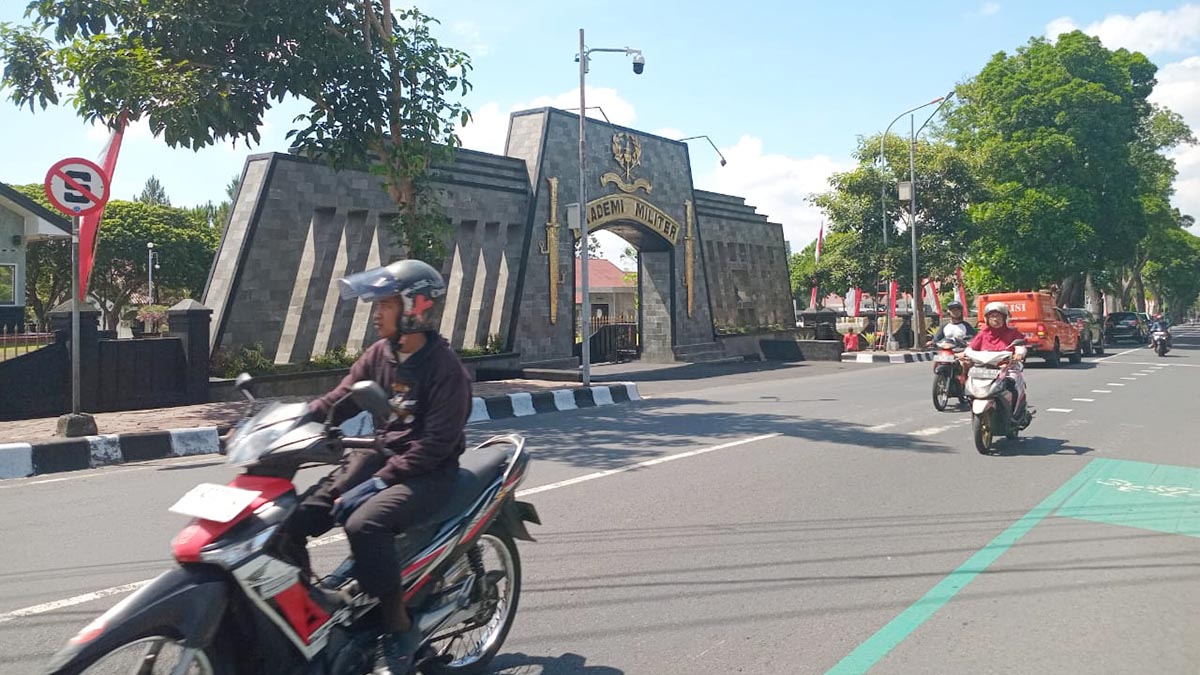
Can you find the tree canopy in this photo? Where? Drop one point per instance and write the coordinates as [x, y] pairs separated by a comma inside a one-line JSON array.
[[379, 85]]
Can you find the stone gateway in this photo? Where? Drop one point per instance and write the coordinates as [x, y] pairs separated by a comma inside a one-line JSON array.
[[706, 262]]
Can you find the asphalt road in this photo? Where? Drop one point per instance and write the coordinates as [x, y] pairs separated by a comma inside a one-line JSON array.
[[814, 519]]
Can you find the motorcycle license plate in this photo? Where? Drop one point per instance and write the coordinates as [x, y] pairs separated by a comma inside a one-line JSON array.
[[981, 373], [943, 358], [219, 503]]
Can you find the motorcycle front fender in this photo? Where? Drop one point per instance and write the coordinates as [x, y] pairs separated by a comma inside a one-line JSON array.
[[186, 603], [981, 405]]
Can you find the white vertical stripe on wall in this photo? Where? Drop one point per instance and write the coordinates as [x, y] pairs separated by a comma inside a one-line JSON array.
[[453, 290], [501, 295], [291, 322], [472, 338], [362, 310], [340, 269]]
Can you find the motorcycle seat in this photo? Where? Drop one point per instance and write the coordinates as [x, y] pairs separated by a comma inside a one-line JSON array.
[[477, 469]]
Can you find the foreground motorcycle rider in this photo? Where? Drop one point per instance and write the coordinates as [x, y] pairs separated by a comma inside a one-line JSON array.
[[1160, 324], [998, 336], [379, 493]]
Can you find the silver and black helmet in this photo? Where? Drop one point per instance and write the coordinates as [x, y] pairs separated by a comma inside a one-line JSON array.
[[418, 284]]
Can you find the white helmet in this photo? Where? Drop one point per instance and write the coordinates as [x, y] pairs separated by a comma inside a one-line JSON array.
[[996, 307]]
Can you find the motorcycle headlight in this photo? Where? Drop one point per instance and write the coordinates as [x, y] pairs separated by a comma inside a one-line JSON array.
[[249, 446]]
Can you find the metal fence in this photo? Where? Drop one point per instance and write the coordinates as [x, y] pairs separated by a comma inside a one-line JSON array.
[[16, 341]]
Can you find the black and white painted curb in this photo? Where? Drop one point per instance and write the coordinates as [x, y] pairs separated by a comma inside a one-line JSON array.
[[868, 357], [19, 460]]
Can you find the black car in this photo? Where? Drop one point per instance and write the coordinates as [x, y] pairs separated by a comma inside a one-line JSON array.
[[1091, 332], [1125, 326]]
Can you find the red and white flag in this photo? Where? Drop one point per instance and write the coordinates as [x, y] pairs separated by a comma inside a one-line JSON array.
[[930, 291], [820, 238], [852, 300], [812, 302], [961, 291], [89, 225], [893, 289]]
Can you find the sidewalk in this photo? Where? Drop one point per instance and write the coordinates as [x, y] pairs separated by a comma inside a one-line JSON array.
[[29, 447]]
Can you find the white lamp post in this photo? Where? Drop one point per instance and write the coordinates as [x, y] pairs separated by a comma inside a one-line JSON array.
[[639, 64]]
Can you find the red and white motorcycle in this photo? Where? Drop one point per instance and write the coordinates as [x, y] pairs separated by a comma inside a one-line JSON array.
[[239, 603], [996, 385]]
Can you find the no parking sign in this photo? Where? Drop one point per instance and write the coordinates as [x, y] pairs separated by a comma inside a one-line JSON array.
[[76, 186]]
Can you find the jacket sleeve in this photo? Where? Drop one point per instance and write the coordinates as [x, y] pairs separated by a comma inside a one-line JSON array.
[[446, 409], [361, 370], [940, 335], [977, 342]]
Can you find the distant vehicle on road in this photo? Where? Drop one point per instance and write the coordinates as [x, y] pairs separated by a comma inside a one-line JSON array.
[[1125, 326], [1047, 331], [1091, 331]]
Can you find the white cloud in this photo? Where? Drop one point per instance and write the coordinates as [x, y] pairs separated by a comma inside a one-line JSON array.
[[489, 124], [777, 185], [1152, 32], [989, 8], [668, 132], [470, 33], [1178, 88]]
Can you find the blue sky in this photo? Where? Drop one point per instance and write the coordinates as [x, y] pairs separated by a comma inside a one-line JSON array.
[[782, 88]]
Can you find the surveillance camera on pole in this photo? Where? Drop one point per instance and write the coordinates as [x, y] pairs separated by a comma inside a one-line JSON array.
[[639, 63]]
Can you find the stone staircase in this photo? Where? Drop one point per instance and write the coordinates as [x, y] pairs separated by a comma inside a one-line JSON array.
[[703, 352]]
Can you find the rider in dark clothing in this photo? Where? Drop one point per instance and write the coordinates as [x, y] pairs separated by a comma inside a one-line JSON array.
[[378, 493], [957, 328]]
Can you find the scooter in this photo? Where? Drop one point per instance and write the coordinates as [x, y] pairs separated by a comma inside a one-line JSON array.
[[949, 375], [1158, 342], [240, 600], [996, 384]]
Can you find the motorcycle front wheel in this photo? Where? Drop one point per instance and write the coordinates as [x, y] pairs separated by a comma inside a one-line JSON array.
[[153, 655], [981, 425], [471, 651], [941, 391]]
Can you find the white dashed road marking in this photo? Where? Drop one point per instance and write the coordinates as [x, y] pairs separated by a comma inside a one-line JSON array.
[[1113, 384], [1085, 400], [1061, 410], [1102, 391]]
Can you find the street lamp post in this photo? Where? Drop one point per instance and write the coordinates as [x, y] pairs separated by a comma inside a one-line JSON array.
[[918, 309], [150, 266], [883, 208], [710, 142], [585, 323]]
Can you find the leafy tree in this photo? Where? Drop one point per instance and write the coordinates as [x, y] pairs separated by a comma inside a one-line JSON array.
[[1172, 271], [594, 249], [854, 255], [184, 243], [216, 215], [153, 192], [378, 83], [1052, 129]]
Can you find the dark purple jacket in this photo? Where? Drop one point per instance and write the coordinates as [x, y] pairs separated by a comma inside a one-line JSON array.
[[435, 380]]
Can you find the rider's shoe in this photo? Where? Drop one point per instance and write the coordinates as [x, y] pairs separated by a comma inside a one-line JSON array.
[[400, 650]]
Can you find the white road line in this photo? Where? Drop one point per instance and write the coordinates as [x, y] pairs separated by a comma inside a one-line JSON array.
[[1134, 379], [340, 536], [1062, 410], [1085, 400], [1146, 363], [640, 465], [929, 432], [881, 427], [1130, 351], [77, 600], [1102, 391], [112, 471], [1113, 384]]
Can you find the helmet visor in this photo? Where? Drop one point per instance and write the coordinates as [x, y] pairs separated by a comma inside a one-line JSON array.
[[368, 286]]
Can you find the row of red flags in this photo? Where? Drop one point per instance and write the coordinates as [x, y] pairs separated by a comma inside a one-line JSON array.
[[929, 288]]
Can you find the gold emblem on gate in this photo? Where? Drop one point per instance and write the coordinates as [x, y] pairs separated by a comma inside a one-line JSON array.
[[627, 150]]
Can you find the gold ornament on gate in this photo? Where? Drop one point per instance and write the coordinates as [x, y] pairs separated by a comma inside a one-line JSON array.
[[627, 150]]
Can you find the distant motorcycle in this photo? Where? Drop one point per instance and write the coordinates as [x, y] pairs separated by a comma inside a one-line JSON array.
[[1159, 342], [949, 374], [240, 602], [996, 383]]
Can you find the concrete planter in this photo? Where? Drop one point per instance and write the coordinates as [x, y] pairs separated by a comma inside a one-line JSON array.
[[749, 345], [493, 366], [310, 383]]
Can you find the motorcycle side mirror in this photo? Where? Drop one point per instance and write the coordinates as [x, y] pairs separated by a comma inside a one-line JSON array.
[[242, 383], [1019, 342], [370, 397]]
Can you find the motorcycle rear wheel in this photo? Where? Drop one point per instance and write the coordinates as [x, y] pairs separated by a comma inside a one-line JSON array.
[[941, 391], [483, 643], [981, 425], [154, 655]]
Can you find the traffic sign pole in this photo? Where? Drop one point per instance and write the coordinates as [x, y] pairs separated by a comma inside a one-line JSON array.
[[75, 315]]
